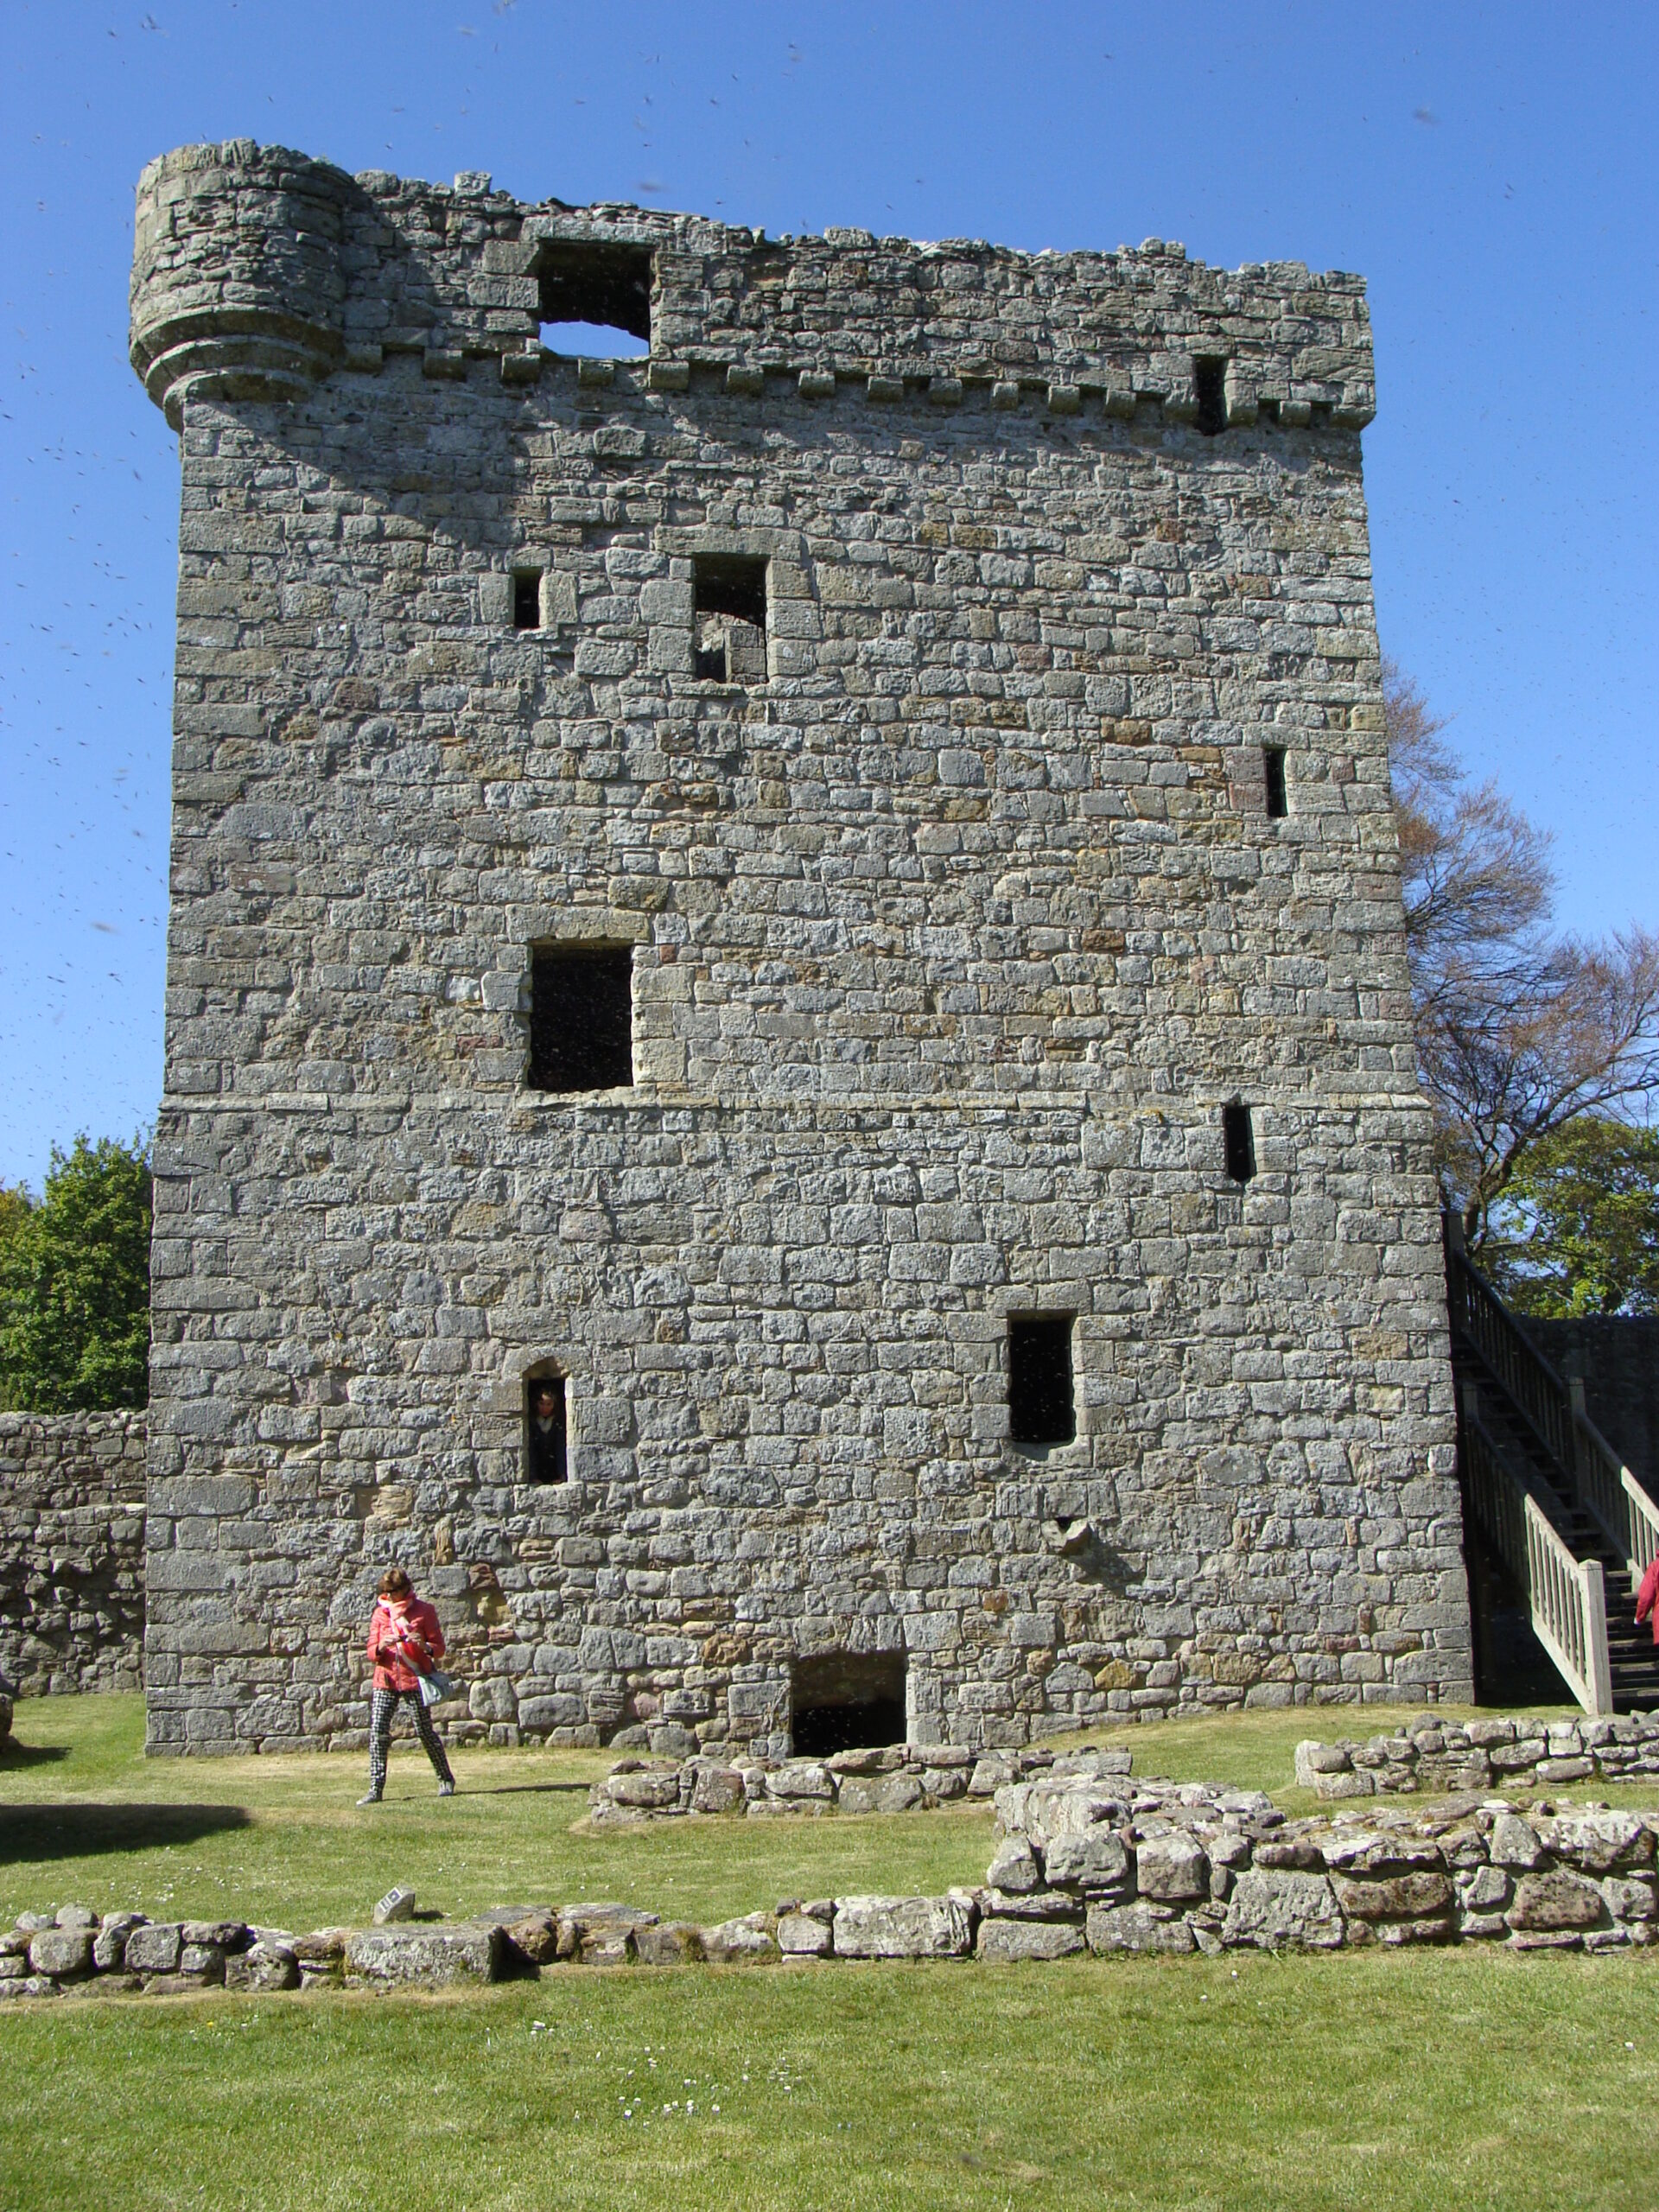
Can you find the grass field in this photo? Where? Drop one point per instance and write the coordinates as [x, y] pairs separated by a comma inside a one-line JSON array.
[[1423, 2081], [1363, 2081]]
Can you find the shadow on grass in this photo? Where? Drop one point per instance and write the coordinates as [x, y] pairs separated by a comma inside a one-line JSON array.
[[80, 1831], [15, 1754], [525, 1789]]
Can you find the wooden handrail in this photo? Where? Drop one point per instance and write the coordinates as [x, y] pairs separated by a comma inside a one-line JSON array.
[[1565, 1596], [1554, 1410], [1644, 1526]]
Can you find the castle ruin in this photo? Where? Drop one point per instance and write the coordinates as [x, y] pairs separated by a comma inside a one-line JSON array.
[[789, 1066]]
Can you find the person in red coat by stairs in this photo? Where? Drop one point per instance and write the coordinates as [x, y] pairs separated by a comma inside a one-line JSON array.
[[1647, 1597], [405, 1642]]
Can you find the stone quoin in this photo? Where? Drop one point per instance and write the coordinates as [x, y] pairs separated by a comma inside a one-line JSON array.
[[827, 893]]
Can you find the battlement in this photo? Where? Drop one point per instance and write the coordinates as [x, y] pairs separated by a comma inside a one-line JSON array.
[[257, 271]]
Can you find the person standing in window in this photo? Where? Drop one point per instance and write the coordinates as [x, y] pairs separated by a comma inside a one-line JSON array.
[[405, 1642], [547, 1430]]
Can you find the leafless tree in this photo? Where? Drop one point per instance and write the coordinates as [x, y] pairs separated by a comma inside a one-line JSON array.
[[1518, 1029]]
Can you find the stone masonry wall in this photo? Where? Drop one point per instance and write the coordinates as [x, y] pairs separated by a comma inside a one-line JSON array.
[[71, 1551], [952, 933]]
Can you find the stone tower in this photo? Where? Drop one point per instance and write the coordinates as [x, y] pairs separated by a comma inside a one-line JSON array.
[[788, 1057]]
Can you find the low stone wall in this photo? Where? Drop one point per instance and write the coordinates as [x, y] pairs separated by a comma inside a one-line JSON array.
[[71, 1551], [1178, 1867], [1083, 1864], [1431, 1754], [898, 1778]]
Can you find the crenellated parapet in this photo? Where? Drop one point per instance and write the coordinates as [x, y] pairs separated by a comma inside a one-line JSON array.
[[257, 269]]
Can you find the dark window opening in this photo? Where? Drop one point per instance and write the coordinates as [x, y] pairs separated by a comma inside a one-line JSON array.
[[1041, 1405], [1209, 380], [846, 1703], [596, 297], [526, 598], [1273, 765], [1238, 1139], [729, 603], [581, 1018], [544, 1429]]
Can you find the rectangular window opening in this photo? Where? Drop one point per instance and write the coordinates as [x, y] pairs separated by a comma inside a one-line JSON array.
[[844, 1701], [729, 613], [1210, 383], [1273, 767], [1041, 1408], [1238, 1139], [581, 1018], [595, 297], [526, 598], [545, 1459]]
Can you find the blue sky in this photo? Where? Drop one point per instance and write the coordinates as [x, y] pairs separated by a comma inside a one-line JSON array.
[[1489, 169]]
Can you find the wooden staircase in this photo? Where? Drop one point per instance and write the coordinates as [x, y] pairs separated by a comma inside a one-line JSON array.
[[1549, 1498]]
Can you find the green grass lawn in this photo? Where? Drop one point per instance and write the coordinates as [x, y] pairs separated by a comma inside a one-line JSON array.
[[85, 1817], [1421, 2081]]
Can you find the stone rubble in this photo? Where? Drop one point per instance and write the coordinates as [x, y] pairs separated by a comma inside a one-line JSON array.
[[1084, 1862], [1431, 1754], [897, 1778], [1165, 1866]]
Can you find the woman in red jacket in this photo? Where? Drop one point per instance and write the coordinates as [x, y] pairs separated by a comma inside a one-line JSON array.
[[405, 1642], [1647, 1597]]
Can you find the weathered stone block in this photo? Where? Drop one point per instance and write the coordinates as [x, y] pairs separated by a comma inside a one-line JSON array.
[[1276, 1909], [263, 1966], [155, 1947], [1399, 1897], [1136, 1928], [1008, 1942], [1172, 1868], [904, 1927], [437, 1958], [65, 1953], [1556, 1900], [669, 1943], [802, 1937], [746, 1942], [1095, 1860]]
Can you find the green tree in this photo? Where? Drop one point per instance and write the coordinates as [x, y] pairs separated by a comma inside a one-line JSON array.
[[1578, 1228], [74, 1283]]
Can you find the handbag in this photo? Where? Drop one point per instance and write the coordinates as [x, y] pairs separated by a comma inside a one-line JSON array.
[[434, 1685]]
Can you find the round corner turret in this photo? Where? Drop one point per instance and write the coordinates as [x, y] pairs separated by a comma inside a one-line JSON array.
[[238, 283]]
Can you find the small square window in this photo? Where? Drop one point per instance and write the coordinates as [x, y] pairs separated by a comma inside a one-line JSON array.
[[545, 1432], [1041, 1405], [526, 598], [729, 602], [581, 1018]]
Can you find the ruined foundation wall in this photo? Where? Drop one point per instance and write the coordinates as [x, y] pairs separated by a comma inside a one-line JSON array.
[[952, 932], [71, 1551]]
